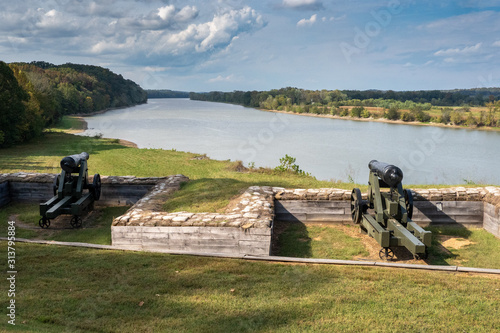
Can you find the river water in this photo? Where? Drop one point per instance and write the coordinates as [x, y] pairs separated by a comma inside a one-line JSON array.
[[329, 149]]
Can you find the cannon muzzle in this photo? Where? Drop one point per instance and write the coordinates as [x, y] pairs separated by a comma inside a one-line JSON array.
[[71, 163], [390, 174]]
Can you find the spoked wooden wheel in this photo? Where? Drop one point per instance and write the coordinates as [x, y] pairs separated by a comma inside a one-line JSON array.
[[356, 206], [44, 223], [95, 189], [76, 222], [409, 203], [386, 253]]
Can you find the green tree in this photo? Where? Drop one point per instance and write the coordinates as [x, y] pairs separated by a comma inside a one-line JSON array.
[[456, 117], [13, 126], [471, 121], [356, 111], [392, 113]]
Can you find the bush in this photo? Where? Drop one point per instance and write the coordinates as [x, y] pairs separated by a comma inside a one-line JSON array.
[[406, 116], [365, 113], [456, 117], [287, 164], [392, 113], [356, 111], [445, 115]]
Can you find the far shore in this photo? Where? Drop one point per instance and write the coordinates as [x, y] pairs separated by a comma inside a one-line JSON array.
[[382, 120]]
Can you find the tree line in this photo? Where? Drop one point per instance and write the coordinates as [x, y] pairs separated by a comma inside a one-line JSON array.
[[292, 96], [166, 93], [36, 95], [416, 104]]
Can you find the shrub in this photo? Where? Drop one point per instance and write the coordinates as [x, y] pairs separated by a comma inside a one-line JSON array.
[[365, 113], [287, 164], [356, 111], [406, 116], [392, 113]]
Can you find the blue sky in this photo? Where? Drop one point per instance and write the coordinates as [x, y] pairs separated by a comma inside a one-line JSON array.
[[259, 45]]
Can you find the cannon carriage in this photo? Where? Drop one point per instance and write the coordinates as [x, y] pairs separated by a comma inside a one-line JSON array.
[[69, 195], [391, 223]]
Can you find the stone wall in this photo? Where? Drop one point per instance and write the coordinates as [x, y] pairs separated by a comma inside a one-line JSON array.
[[245, 228], [447, 206], [38, 187]]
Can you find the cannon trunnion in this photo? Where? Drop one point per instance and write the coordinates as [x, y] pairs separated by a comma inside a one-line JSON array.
[[391, 223], [69, 196]]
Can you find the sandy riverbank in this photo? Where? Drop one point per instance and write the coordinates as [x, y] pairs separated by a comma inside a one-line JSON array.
[[382, 120]]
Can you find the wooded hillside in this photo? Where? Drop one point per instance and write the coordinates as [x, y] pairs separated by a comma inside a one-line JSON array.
[[36, 95]]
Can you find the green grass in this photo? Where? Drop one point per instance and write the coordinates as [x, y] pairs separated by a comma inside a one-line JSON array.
[[84, 290], [213, 184], [27, 212], [69, 123], [327, 242], [484, 251], [330, 242], [96, 230]]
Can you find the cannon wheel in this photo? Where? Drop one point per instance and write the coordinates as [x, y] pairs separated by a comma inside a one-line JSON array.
[[55, 184], [386, 253], [356, 206], [96, 187], [409, 203], [44, 223], [76, 221], [422, 256]]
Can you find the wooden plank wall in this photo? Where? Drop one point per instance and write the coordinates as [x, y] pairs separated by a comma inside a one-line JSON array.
[[467, 213], [111, 194], [252, 241], [491, 219], [4, 194]]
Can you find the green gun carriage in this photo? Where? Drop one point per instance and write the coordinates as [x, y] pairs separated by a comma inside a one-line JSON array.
[[69, 192], [391, 223]]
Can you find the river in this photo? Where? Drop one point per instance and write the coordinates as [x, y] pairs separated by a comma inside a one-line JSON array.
[[329, 149]]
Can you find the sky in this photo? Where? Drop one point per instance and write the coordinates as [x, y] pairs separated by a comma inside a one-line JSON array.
[[231, 45]]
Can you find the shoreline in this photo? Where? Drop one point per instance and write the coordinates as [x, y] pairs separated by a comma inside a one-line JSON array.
[[387, 121], [103, 111], [84, 127]]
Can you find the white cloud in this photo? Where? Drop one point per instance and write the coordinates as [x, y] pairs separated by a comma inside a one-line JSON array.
[[167, 12], [455, 51], [209, 35], [497, 43], [187, 13], [307, 22], [484, 21]]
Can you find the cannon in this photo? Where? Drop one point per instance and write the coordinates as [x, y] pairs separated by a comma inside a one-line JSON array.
[[69, 196], [391, 223]]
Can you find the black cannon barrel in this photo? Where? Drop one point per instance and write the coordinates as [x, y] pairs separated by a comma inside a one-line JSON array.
[[72, 162], [390, 174]]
